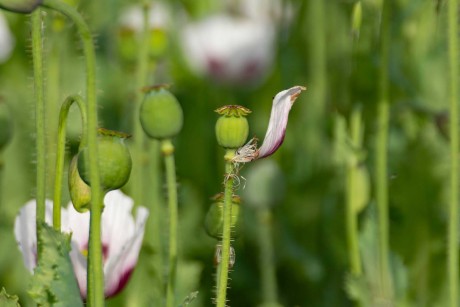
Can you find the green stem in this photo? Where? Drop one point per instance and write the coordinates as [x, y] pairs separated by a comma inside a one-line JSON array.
[[453, 257], [222, 278], [382, 155], [167, 148], [351, 212], [37, 55], [267, 258], [139, 138], [61, 152], [95, 278]]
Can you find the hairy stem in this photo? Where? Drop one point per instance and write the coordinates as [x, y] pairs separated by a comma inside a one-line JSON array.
[[452, 266], [37, 55], [59, 170], [167, 148], [223, 270], [95, 278]]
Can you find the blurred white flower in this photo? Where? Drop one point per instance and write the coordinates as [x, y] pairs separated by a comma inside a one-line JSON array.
[[121, 238], [6, 39], [158, 16], [276, 130], [229, 49]]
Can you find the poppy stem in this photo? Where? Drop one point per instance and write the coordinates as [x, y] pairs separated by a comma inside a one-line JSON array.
[[167, 148], [60, 152], [381, 159], [95, 278], [37, 56], [223, 270], [453, 257]]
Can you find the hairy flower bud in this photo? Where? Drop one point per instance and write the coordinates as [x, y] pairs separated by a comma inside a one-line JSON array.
[[80, 192], [114, 160], [214, 220], [161, 114], [232, 127]]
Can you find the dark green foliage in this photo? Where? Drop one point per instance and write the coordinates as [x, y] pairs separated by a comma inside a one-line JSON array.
[[54, 282]]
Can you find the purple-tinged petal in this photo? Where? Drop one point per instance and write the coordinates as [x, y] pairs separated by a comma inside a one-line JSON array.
[[282, 104], [125, 239], [25, 231]]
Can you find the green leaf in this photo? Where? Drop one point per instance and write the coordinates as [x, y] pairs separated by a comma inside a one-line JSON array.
[[54, 282], [20, 6], [7, 300]]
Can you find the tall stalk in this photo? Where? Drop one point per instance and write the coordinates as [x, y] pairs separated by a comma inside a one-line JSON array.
[[139, 170], [351, 197], [381, 174], [452, 266], [167, 148], [37, 55], [95, 273]]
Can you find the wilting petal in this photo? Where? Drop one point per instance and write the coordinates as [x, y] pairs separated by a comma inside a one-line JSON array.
[[282, 104], [25, 231]]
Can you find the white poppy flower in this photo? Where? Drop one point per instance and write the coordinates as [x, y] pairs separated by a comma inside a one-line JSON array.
[[229, 49], [276, 130], [6, 39], [121, 238], [158, 17]]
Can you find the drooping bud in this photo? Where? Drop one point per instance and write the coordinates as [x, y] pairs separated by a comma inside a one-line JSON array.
[[80, 192], [232, 127], [214, 220], [161, 115], [6, 127], [114, 160]]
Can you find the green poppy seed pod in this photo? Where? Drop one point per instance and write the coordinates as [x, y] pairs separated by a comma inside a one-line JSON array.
[[6, 126], [232, 127], [80, 192], [114, 160], [161, 114], [214, 220]]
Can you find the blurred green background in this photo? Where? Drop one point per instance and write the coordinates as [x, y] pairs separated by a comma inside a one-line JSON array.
[[315, 46]]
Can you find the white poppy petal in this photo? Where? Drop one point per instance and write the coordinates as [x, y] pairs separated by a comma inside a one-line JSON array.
[[25, 231], [276, 131], [6, 39]]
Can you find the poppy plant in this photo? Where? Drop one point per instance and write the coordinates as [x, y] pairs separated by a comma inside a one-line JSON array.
[[121, 239]]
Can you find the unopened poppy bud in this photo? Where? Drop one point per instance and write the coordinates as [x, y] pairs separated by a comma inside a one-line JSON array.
[[6, 127], [114, 160], [161, 114], [232, 127], [214, 220], [80, 192]]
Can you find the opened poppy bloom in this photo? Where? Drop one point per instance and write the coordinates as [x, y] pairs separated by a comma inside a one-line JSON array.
[[276, 130], [121, 239]]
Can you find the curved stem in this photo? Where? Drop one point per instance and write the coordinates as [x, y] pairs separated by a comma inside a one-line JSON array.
[[453, 257], [95, 278], [382, 154], [222, 278], [37, 55], [167, 148], [61, 152]]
